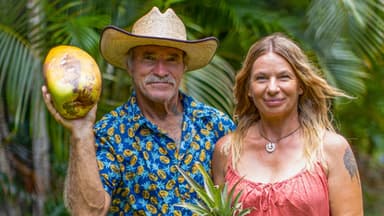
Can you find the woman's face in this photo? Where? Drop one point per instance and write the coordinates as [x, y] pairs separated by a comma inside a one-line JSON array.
[[274, 87]]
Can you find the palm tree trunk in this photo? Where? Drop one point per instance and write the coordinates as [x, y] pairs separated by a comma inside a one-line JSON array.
[[40, 149], [40, 140]]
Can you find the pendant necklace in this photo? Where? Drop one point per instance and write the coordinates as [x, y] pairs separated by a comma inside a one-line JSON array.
[[271, 145]]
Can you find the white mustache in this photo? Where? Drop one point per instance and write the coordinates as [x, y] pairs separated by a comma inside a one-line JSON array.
[[156, 79]]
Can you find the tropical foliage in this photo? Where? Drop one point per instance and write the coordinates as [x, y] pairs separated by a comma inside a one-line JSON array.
[[344, 38], [215, 200]]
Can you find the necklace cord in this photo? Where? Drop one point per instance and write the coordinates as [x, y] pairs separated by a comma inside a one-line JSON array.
[[283, 137]]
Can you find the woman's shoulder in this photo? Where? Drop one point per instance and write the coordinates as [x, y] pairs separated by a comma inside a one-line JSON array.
[[336, 149], [223, 143], [334, 142], [220, 159]]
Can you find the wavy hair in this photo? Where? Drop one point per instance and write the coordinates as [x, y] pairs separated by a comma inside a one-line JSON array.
[[313, 105]]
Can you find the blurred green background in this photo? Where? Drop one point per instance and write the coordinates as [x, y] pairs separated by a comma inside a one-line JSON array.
[[344, 38]]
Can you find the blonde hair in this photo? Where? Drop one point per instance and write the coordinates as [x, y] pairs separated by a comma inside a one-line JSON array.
[[313, 105]]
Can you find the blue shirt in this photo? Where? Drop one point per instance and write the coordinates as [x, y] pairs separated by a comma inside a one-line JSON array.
[[137, 161]]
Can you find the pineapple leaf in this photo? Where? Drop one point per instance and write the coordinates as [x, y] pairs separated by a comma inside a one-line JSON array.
[[215, 200], [199, 189], [244, 212], [201, 210], [225, 201], [210, 188]]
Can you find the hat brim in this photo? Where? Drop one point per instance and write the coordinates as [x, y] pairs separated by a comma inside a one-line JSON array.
[[115, 43]]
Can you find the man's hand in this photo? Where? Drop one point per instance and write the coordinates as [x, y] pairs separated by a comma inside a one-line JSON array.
[[73, 125]]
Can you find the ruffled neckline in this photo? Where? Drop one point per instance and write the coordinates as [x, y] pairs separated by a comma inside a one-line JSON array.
[[298, 175]]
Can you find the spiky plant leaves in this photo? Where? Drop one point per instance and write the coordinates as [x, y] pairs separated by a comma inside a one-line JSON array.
[[215, 199], [205, 197]]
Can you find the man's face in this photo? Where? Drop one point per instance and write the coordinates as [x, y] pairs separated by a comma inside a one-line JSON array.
[[157, 72]]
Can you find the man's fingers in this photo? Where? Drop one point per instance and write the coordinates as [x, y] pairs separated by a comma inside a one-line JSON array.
[[50, 107], [90, 117]]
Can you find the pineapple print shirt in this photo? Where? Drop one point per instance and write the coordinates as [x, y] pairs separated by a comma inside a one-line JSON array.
[[137, 161]]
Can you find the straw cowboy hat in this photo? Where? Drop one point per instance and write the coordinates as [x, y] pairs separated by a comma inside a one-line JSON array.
[[156, 28]]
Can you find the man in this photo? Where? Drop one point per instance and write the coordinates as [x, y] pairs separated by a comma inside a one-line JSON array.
[[132, 170]]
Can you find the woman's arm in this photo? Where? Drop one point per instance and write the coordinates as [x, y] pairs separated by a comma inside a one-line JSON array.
[[344, 184], [220, 161]]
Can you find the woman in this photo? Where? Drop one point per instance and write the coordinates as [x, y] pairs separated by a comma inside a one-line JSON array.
[[285, 152]]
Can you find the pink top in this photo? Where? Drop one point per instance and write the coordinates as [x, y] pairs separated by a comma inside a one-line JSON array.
[[304, 194]]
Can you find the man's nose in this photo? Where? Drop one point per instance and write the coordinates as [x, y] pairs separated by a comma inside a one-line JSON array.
[[161, 68]]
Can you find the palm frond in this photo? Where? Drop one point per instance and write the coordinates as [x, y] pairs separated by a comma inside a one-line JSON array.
[[17, 67], [362, 22], [75, 23], [366, 25], [344, 69], [345, 35], [326, 20], [212, 84]]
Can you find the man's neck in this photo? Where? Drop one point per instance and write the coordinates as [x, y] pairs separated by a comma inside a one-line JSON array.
[[168, 117], [161, 111]]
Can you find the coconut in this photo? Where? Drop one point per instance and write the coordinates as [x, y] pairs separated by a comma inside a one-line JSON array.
[[73, 79]]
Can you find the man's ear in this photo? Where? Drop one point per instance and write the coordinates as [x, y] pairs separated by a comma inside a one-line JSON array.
[[129, 72]]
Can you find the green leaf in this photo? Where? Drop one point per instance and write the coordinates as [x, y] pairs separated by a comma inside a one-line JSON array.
[[215, 199]]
